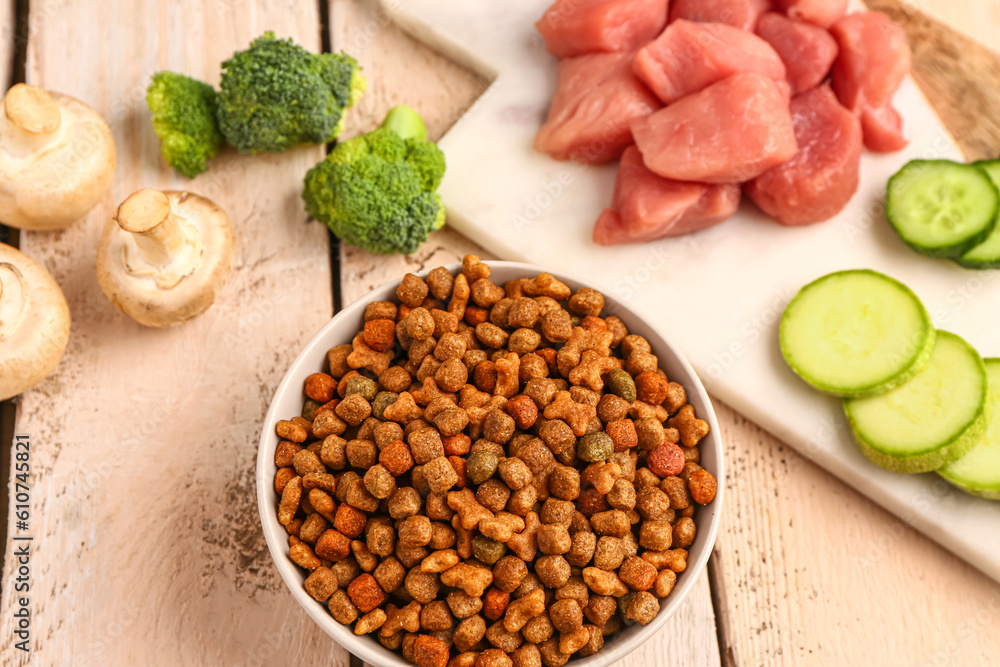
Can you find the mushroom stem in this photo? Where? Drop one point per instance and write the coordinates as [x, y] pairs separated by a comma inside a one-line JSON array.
[[31, 119], [157, 233]]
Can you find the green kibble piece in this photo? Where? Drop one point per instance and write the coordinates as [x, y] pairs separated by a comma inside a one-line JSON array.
[[383, 400], [595, 447], [481, 465], [486, 550], [363, 386], [621, 384], [623, 603], [309, 409]]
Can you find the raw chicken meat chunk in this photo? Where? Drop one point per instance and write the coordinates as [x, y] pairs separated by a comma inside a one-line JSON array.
[[576, 27], [883, 129], [647, 207], [597, 98], [873, 61], [742, 14], [806, 50], [688, 57], [730, 132], [820, 180], [823, 13]]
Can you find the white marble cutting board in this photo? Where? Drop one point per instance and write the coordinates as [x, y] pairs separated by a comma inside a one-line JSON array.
[[719, 294]]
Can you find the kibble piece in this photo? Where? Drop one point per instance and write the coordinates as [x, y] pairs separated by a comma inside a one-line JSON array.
[[643, 608], [684, 533], [595, 642], [463, 605], [621, 384], [523, 609], [435, 616], [412, 290], [442, 536], [611, 522], [609, 553], [425, 445], [430, 652], [665, 581], [551, 655], [656, 535], [515, 473], [526, 656], [581, 550], [566, 615], [379, 482], [354, 409], [538, 629], [469, 632], [666, 460], [493, 495], [341, 608], [637, 574], [553, 539], [622, 495], [487, 550], [321, 584], [553, 570], [370, 622], [473, 580], [440, 283], [441, 474], [365, 593], [415, 531], [702, 485], [603, 582], [422, 586], [389, 574]]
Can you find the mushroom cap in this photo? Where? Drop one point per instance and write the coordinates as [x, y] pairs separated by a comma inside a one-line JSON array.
[[57, 184], [34, 323], [138, 294]]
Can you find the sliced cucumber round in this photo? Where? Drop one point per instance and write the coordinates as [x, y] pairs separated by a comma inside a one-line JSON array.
[[941, 208], [978, 472], [856, 334], [932, 420], [986, 255]]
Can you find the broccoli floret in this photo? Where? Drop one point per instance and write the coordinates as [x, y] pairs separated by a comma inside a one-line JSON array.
[[184, 120], [276, 95], [376, 191]]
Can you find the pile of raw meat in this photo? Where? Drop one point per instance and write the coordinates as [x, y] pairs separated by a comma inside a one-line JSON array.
[[705, 99]]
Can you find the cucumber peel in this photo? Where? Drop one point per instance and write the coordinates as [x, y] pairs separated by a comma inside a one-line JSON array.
[[978, 472], [856, 334], [932, 420]]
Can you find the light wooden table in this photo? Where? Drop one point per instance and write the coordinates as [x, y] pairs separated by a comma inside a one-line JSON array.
[[147, 548]]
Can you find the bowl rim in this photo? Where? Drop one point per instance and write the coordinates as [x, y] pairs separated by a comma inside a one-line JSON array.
[[367, 648]]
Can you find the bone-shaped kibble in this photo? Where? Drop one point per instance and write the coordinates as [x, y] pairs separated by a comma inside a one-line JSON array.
[[471, 579]]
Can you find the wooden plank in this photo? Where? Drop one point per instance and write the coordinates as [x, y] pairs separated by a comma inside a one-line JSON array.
[[8, 38], [402, 70], [147, 545]]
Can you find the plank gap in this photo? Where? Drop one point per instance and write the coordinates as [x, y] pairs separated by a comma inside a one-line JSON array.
[[12, 237]]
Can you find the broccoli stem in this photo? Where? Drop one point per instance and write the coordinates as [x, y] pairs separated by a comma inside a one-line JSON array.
[[405, 122]]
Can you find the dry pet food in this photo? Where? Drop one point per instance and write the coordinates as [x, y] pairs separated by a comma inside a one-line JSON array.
[[491, 474]]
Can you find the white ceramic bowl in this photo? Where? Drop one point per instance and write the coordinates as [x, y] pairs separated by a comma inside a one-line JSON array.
[[341, 329]]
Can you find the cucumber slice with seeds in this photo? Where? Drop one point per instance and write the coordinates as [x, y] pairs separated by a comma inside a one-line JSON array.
[[856, 333], [941, 208], [932, 420], [986, 255], [978, 472]]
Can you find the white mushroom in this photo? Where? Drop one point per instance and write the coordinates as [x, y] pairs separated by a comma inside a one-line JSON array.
[[57, 158], [34, 323], [164, 255]]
